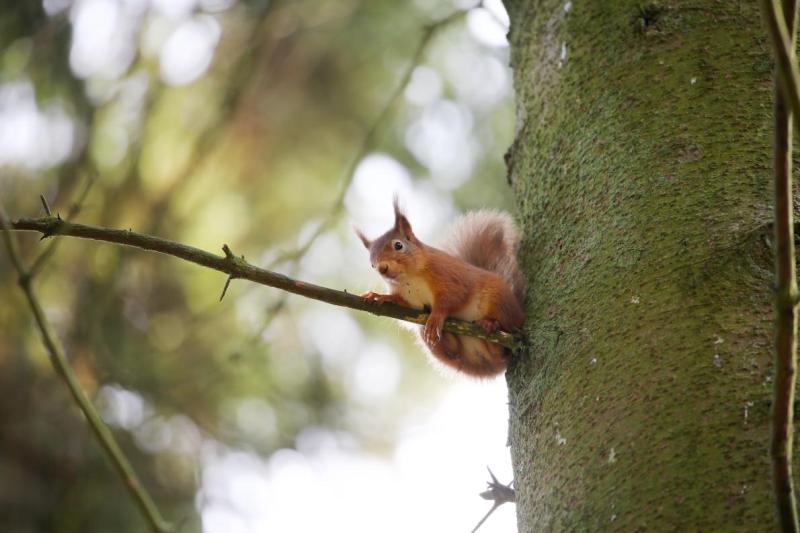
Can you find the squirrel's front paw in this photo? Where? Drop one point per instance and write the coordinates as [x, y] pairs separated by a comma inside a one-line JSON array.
[[383, 298], [376, 297]]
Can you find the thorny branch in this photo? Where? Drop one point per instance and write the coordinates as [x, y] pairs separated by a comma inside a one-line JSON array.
[[62, 367], [787, 104], [73, 211], [238, 268]]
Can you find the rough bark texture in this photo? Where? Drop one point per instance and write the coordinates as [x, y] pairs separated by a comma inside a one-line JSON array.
[[642, 172]]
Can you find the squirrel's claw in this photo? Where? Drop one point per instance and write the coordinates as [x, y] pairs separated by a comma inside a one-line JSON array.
[[383, 298], [376, 297], [488, 325], [432, 332]]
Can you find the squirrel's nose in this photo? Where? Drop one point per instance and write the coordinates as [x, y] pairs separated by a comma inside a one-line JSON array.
[[383, 268]]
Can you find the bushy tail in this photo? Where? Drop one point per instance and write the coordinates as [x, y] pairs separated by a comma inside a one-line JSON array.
[[488, 239]]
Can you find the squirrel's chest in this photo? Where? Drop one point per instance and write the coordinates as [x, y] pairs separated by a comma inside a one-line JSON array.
[[415, 291]]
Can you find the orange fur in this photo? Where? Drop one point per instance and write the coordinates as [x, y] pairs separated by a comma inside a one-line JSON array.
[[479, 282]]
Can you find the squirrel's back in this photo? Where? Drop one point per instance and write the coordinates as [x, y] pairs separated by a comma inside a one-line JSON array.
[[488, 239]]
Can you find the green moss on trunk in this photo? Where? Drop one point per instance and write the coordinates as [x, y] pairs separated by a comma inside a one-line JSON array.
[[642, 173]]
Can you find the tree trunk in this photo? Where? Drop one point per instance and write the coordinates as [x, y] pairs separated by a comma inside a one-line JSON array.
[[642, 171]]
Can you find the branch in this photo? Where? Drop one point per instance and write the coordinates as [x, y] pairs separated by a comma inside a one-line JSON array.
[[787, 72], [73, 211], [787, 103], [60, 363], [238, 268], [499, 494]]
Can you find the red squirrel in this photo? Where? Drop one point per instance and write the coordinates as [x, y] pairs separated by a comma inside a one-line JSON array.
[[476, 278]]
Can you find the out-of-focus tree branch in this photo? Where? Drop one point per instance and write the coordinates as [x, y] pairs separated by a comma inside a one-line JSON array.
[[236, 88], [428, 32], [294, 256], [59, 360]]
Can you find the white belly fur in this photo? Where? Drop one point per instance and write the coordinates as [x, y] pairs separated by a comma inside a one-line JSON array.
[[415, 291]]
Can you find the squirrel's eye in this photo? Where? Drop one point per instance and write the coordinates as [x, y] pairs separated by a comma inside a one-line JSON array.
[[398, 245]]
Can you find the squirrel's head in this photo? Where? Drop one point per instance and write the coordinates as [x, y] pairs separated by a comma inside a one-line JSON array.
[[393, 253]]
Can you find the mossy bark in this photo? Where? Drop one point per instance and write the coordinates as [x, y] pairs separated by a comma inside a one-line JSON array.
[[642, 174]]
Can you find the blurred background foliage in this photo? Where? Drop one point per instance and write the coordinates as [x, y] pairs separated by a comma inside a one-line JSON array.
[[211, 122]]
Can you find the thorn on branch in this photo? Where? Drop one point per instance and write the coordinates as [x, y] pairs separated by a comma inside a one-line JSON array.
[[46, 206], [52, 225], [232, 259], [225, 288]]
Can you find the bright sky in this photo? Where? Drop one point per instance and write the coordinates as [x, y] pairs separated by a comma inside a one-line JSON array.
[[431, 483]]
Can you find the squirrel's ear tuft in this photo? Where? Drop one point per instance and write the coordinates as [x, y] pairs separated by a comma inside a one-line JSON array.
[[361, 236], [396, 203], [401, 223]]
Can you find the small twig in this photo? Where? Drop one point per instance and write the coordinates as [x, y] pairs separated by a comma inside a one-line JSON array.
[[788, 76], [241, 269], [44, 204], [73, 211], [230, 257], [499, 494], [62, 367], [225, 288], [780, 23]]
